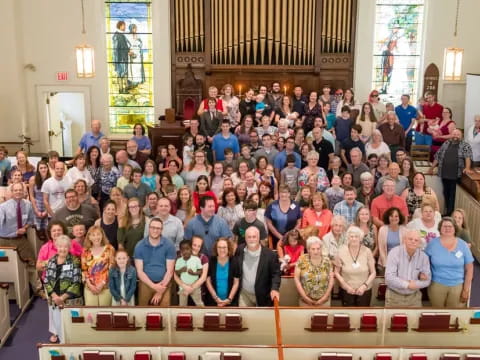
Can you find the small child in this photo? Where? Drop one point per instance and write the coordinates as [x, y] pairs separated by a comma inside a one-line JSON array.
[[229, 170], [126, 177], [289, 175], [292, 250], [229, 159], [161, 159], [188, 269], [78, 231], [245, 155], [122, 280], [335, 192], [188, 149], [171, 191], [259, 107], [265, 127]]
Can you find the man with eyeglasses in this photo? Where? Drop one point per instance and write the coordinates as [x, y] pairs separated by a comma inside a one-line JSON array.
[[133, 154], [172, 226], [74, 212], [334, 103], [207, 225], [386, 201], [281, 159], [155, 261]]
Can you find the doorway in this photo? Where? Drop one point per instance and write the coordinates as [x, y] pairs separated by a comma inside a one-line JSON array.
[[65, 114]]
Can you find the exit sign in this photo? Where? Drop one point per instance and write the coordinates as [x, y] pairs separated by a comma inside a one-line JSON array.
[[62, 76]]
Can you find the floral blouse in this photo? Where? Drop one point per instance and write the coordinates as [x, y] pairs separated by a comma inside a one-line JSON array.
[[96, 268], [322, 179], [314, 278], [108, 179]]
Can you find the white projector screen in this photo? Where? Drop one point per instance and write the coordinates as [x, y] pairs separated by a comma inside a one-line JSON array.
[[472, 99]]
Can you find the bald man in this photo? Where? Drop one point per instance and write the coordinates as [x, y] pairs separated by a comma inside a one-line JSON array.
[[260, 271], [133, 154], [90, 138]]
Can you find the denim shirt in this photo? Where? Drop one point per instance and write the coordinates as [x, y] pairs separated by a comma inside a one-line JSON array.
[[130, 280]]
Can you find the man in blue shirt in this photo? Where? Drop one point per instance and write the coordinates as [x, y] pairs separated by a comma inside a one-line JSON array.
[[90, 138], [224, 140], [207, 225], [407, 115], [5, 165], [16, 215], [281, 159], [155, 261]]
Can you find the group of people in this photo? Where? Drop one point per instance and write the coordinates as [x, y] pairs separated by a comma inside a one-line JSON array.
[[264, 186]]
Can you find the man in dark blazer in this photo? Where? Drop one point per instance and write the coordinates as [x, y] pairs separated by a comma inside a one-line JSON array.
[[210, 120], [260, 272]]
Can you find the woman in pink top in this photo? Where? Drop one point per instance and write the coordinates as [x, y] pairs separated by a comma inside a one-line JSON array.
[[48, 250]]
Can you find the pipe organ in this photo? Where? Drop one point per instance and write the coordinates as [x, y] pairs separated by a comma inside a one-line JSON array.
[[247, 42]]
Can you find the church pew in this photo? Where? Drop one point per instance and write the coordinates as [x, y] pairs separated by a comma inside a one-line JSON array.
[[14, 271], [258, 326], [370, 353], [4, 313], [295, 323], [160, 352], [33, 239]]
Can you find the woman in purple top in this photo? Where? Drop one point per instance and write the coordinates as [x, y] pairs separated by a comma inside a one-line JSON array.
[[142, 141], [282, 215]]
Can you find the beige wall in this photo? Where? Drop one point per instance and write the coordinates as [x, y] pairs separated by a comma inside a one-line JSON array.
[[44, 34], [439, 26]]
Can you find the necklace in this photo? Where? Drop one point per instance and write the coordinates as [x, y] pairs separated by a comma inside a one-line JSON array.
[[356, 257]]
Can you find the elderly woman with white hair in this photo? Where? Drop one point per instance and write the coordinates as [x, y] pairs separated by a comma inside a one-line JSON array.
[[314, 275], [355, 270], [109, 175], [63, 281], [376, 145], [312, 168], [336, 237]]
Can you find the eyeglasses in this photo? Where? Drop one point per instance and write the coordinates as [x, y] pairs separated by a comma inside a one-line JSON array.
[[133, 206], [156, 228], [374, 95]]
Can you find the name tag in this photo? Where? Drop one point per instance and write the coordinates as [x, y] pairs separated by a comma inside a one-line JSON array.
[[67, 267], [293, 206], [355, 265], [458, 254], [318, 223], [25, 216]]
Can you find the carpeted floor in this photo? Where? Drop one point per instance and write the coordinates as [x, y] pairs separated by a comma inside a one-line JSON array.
[[33, 326]]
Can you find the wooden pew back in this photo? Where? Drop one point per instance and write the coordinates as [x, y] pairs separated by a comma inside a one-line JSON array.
[[14, 271]]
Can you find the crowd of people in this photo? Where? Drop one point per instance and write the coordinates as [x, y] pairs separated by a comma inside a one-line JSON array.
[[318, 187]]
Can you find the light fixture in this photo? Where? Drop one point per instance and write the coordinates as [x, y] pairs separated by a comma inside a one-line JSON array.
[[453, 56], [85, 54]]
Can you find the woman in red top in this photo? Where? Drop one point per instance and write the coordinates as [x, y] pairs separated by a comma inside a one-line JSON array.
[[318, 214], [202, 188], [444, 130]]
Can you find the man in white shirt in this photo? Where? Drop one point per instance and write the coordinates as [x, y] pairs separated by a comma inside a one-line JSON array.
[[54, 188]]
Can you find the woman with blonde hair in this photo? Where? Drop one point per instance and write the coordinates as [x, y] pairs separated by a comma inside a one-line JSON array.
[[376, 145], [367, 121], [27, 169], [98, 256], [185, 208], [231, 104], [198, 166], [460, 217]]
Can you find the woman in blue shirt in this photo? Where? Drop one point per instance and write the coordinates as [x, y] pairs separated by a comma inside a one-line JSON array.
[[142, 141], [452, 267], [223, 275]]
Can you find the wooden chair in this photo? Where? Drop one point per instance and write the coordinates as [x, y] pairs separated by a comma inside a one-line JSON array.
[[14, 271], [420, 152]]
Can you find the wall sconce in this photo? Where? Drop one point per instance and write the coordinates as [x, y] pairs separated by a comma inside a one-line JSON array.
[[85, 54], [453, 64]]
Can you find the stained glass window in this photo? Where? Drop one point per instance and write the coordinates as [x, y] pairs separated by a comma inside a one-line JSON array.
[[130, 64], [397, 48]]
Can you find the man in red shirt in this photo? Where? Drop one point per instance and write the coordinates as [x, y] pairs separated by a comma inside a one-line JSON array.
[[432, 110], [385, 201]]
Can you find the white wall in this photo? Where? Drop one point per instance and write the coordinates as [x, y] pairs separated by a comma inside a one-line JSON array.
[[439, 27], [44, 34]]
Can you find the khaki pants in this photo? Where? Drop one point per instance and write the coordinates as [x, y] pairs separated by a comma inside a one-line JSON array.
[[445, 296], [247, 299], [196, 296], [145, 294], [394, 299], [102, 299], [303, 303]]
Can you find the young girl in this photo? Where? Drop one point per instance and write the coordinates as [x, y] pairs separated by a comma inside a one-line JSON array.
[[36, 197], [347, 179], [266, 194], [270, 178], [122, 280], [217, 178], [185, 208], [265, 127], [304, 197], [291, 251], [150, 176], [161, 160], [126, 177], [187, 149], [203, 189], [459, 215], [335, 192]]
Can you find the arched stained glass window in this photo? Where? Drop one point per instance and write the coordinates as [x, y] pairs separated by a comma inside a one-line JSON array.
[[397, 48], [130, 64]]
